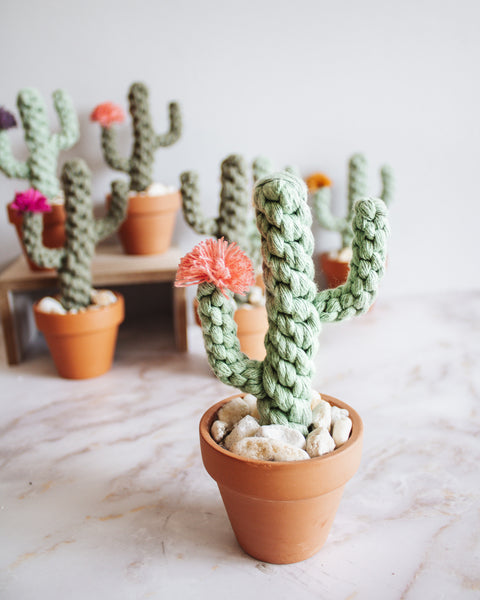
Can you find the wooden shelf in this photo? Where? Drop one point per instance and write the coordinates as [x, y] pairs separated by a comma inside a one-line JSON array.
[[110, 266]]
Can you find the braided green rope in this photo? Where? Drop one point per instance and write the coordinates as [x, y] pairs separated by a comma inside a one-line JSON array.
[[357, 188], [40, 168], [282, 382], [145, 141], [83, 232]]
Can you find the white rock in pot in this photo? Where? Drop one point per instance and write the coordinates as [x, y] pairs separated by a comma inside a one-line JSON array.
[[246, 427], [341, 430], [319, 442], [234, 411], [322, 415], [259, 448], [338, 413], [219, 430], [282, 433], [51, 306]]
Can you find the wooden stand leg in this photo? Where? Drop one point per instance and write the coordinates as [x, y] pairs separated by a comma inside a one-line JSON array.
[[180, 319], [8, 324]]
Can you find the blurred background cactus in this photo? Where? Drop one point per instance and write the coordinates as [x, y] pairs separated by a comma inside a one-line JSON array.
[[282, 382], [83, 232], [40, 168], [145, 141], [320, 188]]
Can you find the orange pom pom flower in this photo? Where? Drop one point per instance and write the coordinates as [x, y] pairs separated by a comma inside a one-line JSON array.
[[218, 262], [317, 181], [107, 114]]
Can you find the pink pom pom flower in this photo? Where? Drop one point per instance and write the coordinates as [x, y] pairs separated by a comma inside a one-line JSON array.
[[31, 200], [218, 262], [107, 113]]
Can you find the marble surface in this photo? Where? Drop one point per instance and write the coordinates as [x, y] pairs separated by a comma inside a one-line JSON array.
[[103, 494]]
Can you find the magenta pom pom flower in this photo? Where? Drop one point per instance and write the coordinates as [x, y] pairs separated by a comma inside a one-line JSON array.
[[107, 113], [218, 262], [7, 120], [31, 201]]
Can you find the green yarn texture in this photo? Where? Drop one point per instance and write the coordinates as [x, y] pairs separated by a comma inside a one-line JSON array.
[[145, 141], [83, 232], [282, 381], [357, 188], [40, 168]]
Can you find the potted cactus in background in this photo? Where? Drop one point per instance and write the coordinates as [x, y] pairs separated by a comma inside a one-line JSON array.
[[40, 168], [152, 207], [335, 265], [280, 502], [234, 223], [81, 327]]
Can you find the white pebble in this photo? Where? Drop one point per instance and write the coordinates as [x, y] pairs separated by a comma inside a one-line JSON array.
[[252, 405], [345, 254], [219, 430], [322, 415], [258, 448], [319, 442], [338, 413], [282, 433], [341, 430], [233, 411], [155, 189], [256, 296], [51, 306], [246, 427], [315, 399], [103, 297]]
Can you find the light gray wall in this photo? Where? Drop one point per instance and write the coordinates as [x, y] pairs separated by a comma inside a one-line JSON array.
[[307, 82]]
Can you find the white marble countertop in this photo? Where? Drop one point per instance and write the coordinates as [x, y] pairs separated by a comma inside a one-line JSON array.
[[103, 494]]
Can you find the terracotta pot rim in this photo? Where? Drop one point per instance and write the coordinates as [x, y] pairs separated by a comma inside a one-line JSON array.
[[57, 214], [142, 205], [357, 432]]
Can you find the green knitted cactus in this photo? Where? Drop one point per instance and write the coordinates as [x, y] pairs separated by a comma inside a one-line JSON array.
[[357, 188], [83, 232], [40, 168], [282, 381], [145, 141]]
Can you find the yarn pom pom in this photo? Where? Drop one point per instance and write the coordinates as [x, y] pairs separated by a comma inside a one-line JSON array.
[[7, 120], [317, 181], [107, 114], [31, 201], [218, 262]]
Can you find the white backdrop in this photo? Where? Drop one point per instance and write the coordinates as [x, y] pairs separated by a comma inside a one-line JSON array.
[[306, 82]]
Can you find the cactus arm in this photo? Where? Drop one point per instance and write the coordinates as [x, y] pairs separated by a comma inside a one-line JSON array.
[[109, 150], [175, 131], [357, 181], [261, 167], [67, 116], [226, 359], [8, 163], [192, 210], [388, 184], [321, 207], [235, 201], [42, 256], [117, 211], [370, 228]]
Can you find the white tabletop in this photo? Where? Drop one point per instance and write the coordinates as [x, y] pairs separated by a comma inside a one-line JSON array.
[[103, 493]]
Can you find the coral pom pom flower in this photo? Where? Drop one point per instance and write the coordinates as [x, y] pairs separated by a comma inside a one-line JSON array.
[[218, 262], [31, 201], [107, 114]]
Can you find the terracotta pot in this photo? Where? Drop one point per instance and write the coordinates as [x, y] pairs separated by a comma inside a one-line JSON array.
[[252, 325], [148, 228], [53, 229], [82, 345], [281, 512], [335, 271]]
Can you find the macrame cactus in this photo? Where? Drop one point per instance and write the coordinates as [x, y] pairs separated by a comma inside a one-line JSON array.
[[357, 188], [40, 168], [282, 381], [145, 141], [83, 232]]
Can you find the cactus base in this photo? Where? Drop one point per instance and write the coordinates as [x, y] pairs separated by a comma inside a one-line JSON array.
[[53, 235], [82, 345], [281, 512], [148, 228]]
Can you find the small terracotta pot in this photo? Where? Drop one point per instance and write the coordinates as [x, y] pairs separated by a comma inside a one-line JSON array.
[[335, 271], [252, 325], [82, 345], [281, 512], [148, 228], [53, 229]]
